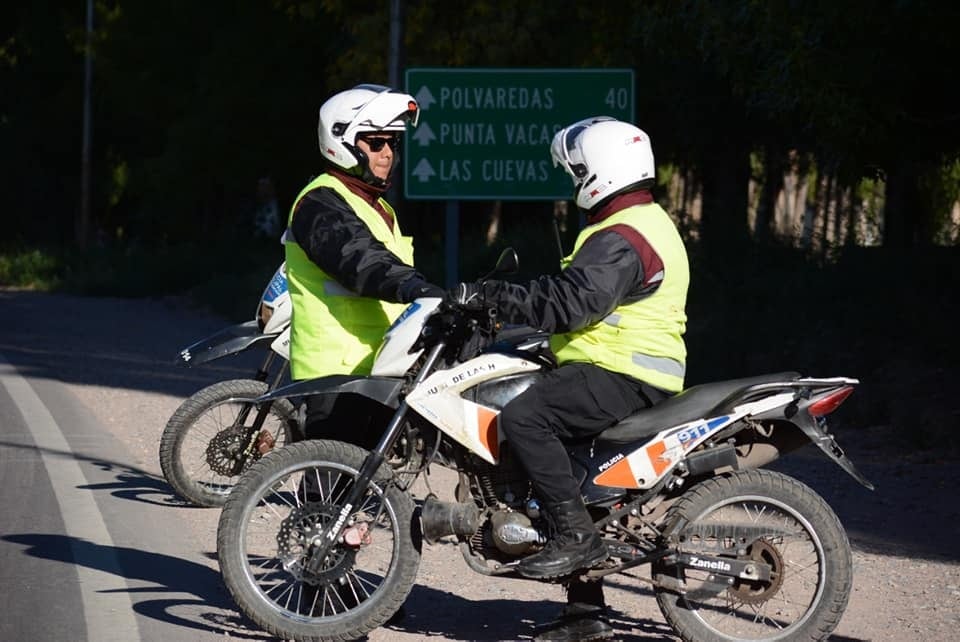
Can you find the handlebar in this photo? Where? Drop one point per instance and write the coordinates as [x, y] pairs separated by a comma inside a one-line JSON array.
[[464, 328]]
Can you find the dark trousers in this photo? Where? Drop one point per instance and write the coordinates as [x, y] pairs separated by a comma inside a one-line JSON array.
[[575, 401], [348, 417]]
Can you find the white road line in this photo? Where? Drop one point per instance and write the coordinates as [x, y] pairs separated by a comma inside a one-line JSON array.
[[108, 610]]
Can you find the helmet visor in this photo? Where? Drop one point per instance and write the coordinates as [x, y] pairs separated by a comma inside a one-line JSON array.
[[565, 150], [388, 111], [569, 153]]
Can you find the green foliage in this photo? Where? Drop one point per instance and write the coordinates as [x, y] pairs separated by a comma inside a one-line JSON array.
[[194, 103], [943, 191], [30, 269], [226, 279], [227, 106], [8, 53]]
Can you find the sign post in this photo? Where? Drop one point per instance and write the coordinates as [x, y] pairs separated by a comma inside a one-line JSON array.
[[485, 134]]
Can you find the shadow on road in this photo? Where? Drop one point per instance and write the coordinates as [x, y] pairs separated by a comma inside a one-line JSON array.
[[167, 574], [128, 483], [430, 612], [442, 614]]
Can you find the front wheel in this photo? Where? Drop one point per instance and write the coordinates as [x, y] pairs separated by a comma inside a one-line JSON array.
[[773, 520], [206, 444], [277, 519]]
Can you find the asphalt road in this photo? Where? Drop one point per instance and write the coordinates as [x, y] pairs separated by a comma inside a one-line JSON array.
[[89, 546], [94, 545]]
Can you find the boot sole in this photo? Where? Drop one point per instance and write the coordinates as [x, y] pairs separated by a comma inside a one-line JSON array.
[[605, 635], [567, 570]]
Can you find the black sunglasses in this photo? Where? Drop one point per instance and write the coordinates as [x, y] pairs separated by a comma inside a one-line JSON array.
[[376, 143]]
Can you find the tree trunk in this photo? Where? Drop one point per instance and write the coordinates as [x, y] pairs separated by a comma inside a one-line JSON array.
[[909, 216], [772, 185], [726, 178]]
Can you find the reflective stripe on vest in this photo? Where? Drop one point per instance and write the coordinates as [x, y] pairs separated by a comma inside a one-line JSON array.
[[642, 339], [333, 329]]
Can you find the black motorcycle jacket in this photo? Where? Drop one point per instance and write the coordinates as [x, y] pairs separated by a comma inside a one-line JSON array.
[[613, 267], [340, 244]]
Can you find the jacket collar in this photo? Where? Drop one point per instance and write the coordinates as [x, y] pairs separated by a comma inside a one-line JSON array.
[[620, 202], [364, 190], [367, 192]]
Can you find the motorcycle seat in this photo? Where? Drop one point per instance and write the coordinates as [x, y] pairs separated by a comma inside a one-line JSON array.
[[696, 402]]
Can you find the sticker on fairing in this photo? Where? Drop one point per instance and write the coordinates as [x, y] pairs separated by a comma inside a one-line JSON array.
[[413, 307], [276, 287], [689, 436]]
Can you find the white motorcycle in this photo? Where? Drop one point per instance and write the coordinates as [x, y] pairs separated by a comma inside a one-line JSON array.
[[321, 540], [210, 439]]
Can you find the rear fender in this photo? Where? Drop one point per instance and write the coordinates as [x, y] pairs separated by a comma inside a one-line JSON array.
[[807, 429], [383, 390]]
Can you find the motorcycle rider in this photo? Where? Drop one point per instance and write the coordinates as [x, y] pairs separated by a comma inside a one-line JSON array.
[[616, 312], [349, 267]]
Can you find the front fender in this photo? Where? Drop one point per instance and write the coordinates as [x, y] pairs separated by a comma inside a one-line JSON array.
[[384, 390], [230, 340]]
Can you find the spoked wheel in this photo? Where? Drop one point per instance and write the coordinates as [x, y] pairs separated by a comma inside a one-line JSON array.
[[277, 520], [208, 442], [783, 527]]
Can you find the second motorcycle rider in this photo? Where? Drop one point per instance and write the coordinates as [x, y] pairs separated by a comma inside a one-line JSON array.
[[617, 315]]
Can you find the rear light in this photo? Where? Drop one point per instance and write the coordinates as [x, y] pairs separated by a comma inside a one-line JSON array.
[[828, 404]]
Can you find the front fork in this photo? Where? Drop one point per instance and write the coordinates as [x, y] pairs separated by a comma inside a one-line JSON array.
[[263, 410]]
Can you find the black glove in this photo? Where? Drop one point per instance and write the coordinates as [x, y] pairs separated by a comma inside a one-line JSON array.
[[471, 297], [416, 289]]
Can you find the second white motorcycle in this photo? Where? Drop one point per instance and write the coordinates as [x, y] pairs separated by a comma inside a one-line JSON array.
[[209, 440]]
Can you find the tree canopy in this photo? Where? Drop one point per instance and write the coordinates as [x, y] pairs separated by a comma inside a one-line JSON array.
[[194, 103]]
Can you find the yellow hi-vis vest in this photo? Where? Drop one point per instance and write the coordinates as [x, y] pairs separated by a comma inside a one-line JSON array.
[[642, 339], [334, 330]]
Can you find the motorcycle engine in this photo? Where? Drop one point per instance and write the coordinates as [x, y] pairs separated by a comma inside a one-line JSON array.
[[506, 491], [513, 532]]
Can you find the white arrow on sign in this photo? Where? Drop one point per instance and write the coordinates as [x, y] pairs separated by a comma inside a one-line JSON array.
[[424, 170], [424, 135], [425, 98]]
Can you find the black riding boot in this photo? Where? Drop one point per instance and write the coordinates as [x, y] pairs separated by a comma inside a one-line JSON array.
[[577, 623], [575, 543]]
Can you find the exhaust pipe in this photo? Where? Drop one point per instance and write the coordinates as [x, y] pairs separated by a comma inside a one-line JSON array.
[[439, 519]]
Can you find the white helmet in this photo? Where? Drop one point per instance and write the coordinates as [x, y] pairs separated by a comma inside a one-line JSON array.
[[603, 156], [365, 108]]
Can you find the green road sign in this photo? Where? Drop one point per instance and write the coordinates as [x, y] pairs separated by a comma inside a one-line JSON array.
[[485, 133]]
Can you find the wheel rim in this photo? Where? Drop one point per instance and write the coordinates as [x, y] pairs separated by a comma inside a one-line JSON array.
[[769, 610], [291, 509]]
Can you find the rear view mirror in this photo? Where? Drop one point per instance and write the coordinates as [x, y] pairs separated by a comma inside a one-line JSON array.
[[508, 263]]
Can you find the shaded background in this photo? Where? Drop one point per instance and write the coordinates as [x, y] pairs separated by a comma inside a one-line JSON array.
[[807, 150]]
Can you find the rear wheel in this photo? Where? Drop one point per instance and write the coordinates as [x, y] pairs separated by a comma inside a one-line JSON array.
[[773, 520], [204, 447], [279, 516]]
